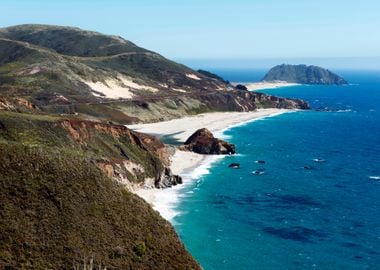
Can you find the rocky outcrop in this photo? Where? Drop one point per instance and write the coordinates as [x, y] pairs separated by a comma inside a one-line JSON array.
[[17, 105], [204, 142], [303, 74], [124, 164], [167, 179], [241, 87]]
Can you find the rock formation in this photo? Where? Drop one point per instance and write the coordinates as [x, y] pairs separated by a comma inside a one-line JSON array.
[[204, 142], [303, 74]]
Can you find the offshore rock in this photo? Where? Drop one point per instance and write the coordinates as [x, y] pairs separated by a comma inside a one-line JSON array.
[[204, 142]]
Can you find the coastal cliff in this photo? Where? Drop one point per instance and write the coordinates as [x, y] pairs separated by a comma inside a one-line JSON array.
[[59, 211], [303, 74], [131, 158]]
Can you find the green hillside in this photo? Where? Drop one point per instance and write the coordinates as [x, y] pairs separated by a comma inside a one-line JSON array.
[[59, 211], [68, 70]]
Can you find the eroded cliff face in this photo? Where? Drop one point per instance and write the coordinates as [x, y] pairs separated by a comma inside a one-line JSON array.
[[17, 105], [139, 155], [131, 158]]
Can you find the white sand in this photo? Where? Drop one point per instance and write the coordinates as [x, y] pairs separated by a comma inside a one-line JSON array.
[[187, 164], [193, 76], [267, 85], [183, 128], [118, 88]]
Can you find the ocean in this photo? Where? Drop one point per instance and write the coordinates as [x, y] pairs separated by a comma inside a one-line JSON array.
[[298, 214]]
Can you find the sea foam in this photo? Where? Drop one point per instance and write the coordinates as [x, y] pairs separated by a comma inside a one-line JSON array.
[[166, 200]]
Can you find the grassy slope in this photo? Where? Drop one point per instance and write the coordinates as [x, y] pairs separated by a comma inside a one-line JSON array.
[[95, 142], [43, 63], [70, 40], [56, 209]]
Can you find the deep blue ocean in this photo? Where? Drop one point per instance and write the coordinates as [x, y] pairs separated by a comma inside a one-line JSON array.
[[326, 216]]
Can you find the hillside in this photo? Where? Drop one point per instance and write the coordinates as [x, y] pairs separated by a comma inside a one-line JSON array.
[[64, 196], [59, 211], [303, 74], [133, 159], [68, 70]]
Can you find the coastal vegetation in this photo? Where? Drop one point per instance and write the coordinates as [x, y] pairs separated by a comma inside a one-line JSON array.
[[67, 70], [60, 211]]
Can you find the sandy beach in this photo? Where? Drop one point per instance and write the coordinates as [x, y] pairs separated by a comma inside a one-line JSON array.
[[267, 85], [183, 128], [187, 164]]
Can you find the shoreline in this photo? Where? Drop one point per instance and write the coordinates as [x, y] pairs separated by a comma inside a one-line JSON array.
[[256, 86], [182, 128], [190, 166]]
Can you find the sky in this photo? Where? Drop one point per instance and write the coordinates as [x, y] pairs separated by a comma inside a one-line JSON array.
[[219, 29]]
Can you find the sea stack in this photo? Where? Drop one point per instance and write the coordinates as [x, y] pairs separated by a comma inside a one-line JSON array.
[[204, 142]]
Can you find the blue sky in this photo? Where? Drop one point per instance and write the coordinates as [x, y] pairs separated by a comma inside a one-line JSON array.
[[238, 29]]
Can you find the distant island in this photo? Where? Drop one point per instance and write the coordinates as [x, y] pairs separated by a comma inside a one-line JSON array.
[[303, 74]]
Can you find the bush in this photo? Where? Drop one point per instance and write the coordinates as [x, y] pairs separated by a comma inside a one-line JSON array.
[[139, 249]]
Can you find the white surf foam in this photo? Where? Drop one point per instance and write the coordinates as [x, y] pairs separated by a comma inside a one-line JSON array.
[[166, 200], [221, 133], [343, 111]]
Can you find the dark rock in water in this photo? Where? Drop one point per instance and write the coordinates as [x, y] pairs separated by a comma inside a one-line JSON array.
[[241, 87], [303, 74], [260, 161], [309, 168], [234, 166], [204, 142]]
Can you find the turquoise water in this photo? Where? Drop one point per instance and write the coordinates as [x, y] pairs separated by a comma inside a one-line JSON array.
[[324, 217]]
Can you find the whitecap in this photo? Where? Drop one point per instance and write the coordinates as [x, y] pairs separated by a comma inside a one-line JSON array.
[[374, 177], [342, 111], [166, 200], [244, 123]]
